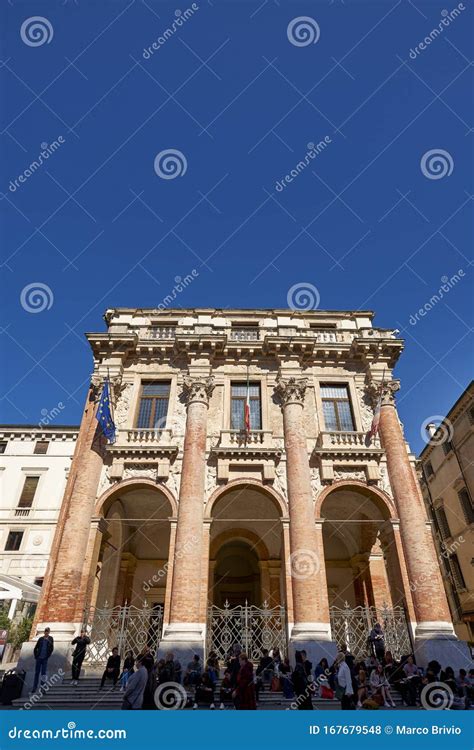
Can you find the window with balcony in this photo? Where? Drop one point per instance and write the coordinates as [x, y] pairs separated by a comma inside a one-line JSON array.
[[27, 496], [41, 447], [456, 572], [153, 408], [13, 542], [466, 505], [337, 409], [244, 332], [238, 401]]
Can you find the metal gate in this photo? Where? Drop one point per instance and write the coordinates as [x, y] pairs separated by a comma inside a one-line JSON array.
[[352, 626], [251, 628], [129, 628]]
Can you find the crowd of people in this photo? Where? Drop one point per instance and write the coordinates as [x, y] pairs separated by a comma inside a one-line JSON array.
[[368, 683], [364, 684]]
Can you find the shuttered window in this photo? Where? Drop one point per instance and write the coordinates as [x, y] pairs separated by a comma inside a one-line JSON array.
[[443, 524], [28, 492], [13, 541], [456, 572], [154, 401], [238, 400], [466, 505], [337, 410]]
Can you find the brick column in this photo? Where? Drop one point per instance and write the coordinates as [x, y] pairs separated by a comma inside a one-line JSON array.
[[306, 563], [433, 619], [185, 631]]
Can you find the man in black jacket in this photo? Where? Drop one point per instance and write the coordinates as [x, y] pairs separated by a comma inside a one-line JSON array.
[[80, 642], [112, 670], [43, 649]]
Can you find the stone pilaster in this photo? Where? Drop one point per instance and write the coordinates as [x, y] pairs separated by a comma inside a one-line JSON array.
[[186, 629], [311, 629], [433, 631]]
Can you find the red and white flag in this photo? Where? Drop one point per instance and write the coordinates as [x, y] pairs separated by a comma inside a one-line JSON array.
[[374, 428]]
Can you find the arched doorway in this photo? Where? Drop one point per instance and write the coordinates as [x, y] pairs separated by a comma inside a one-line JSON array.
[[237, 575], [133, 574], [363, 570], [247, 590]]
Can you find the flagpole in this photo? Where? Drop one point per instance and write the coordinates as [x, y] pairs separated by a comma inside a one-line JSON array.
[[110, 398]]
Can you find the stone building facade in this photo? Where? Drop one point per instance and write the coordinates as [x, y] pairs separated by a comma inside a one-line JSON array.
[[213, 532], [447, 481], [34, 466]]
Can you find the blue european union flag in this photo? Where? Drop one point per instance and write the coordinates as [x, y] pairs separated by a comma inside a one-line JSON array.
[[104, 414]]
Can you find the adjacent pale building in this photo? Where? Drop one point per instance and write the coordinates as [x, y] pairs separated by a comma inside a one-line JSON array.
[[244, 500], [447, 472], [34, 466]]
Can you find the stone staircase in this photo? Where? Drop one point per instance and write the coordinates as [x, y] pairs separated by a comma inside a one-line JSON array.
[[88, 696]]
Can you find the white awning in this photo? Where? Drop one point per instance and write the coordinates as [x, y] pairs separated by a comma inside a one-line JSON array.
[[15, 588]]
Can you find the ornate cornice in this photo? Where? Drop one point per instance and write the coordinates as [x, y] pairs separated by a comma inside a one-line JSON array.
[[291, 390], [198, 389]]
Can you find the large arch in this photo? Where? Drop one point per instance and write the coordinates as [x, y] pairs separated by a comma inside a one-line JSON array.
[[275, 496], [104, 501], [380, 498]]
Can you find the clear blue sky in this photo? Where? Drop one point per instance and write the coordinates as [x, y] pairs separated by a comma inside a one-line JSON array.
[[362, 223]]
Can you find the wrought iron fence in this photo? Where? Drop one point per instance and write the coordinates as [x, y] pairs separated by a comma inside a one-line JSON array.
[[352, 626], [129, 628], [252, 628]]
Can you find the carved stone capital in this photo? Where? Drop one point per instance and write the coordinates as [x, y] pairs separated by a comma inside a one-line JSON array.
[[291, 390], [384, 391], [198, 389]]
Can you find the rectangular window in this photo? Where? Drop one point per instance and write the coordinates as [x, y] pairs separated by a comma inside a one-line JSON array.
[[13, 541], [456, 572], [337, 410], [429, 469], [28, 492], [443, 524], [41, 447], [153, 409], [238, 400], [3, 446], [466, 505]]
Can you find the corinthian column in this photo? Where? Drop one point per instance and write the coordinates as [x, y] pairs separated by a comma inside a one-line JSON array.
[[433, 630], [306, 564], [185, 631]]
